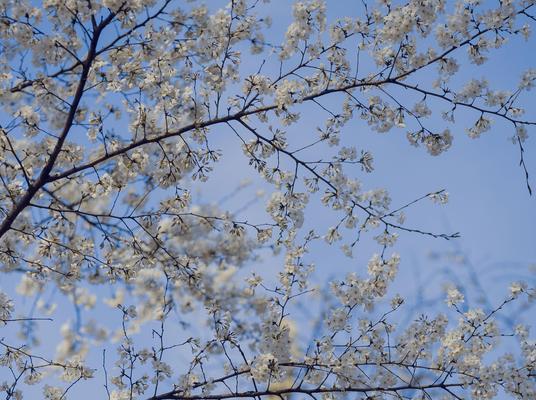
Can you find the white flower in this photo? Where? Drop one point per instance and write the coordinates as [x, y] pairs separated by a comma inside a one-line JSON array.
[[483, 124], [454, 297], [439, 197], [386, 238], [6, 307], [263, 367], [52, 392], [516, 288], [332, 235], [527, 79], [337, 320]]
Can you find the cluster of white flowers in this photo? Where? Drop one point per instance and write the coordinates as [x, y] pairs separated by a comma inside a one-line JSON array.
[[287, 93], [386, 238], [52, 392], [439, 197], [454, 297], [527, 80], [6, 307], [483, 124], [435, 143], [473, 89], [265, 367], [338, 320], [283, 208], [355, 291], [30, 119], [308, 17], [418, 15]]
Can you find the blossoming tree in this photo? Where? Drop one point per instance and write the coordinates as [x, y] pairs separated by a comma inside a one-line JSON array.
[[111, 117]]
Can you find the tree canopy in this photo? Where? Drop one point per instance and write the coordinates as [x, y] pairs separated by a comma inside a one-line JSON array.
[[116, 114]]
